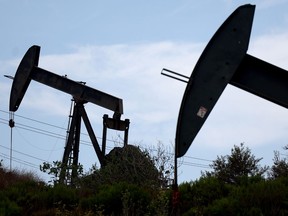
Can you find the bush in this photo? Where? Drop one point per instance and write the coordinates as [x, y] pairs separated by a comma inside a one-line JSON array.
[[8, 207], [124, 197]]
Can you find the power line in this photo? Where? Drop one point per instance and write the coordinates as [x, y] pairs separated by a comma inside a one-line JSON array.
[[23, 162], [25, 154], [84, 142], [45, 132], [34, 120], [196, 158], [48, 124], [196, 165]]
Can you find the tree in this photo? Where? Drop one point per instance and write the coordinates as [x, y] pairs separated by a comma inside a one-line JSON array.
[[241, 163], [125, 164], [280, 166], [54, 169], [163, 159]]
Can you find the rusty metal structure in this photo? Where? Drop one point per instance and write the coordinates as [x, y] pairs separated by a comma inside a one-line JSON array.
[[28, 70]]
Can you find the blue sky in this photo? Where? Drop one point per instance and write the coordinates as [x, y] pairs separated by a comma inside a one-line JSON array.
[[120, 47]]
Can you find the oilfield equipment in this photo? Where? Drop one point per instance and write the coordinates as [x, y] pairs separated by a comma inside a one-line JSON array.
[[224, 61], [28, 70]]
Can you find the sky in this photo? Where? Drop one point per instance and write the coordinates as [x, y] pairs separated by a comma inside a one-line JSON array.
[[120, 47]]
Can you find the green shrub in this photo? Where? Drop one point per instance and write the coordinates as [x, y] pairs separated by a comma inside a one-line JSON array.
[[8, 207], [123, 197]]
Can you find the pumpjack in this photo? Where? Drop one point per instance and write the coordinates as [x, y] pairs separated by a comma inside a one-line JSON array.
[[28, 70], [224, 61]]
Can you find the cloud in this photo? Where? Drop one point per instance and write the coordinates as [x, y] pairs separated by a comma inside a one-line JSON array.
[[269, 47], [152, 101], [130, 72]]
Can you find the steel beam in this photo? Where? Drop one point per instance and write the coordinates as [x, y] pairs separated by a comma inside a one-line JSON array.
[[262, 79], [28, 70]]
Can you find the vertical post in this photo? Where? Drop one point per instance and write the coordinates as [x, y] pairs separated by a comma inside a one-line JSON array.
[[76, 143], [69, 144], [11, 124], [175, 168], [104, 136], [176, 194], [127, 122]]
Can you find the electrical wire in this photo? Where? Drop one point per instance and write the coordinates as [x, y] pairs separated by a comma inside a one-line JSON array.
[[24, 154], [84, 142], [34, 120], [44, 132], [22, 162], [196, 165]]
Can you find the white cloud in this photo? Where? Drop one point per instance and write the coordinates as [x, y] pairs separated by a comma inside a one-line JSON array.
[[131, 72], [271, 48], [152, 101]]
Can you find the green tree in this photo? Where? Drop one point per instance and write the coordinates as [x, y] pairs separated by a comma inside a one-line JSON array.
[[280, 166], [125, 164], [55, 168], [266, 197], [163, 159], [238, 166], [197, 195]]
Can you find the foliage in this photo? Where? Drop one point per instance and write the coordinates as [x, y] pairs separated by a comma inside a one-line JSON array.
[[128, 164], [125, 198], [248, 194], [280, 167], [210, 196], [195, 196], [163, 160], [160, 204], [55, 169], [52, 169], [235, 187], [8, 207], [256, 198], [241, 163]]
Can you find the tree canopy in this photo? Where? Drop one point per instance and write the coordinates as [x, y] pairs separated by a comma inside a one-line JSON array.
[[241, 163], [280, 167]]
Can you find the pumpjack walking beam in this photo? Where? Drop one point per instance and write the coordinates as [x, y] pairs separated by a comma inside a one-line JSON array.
[[28, 70]]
